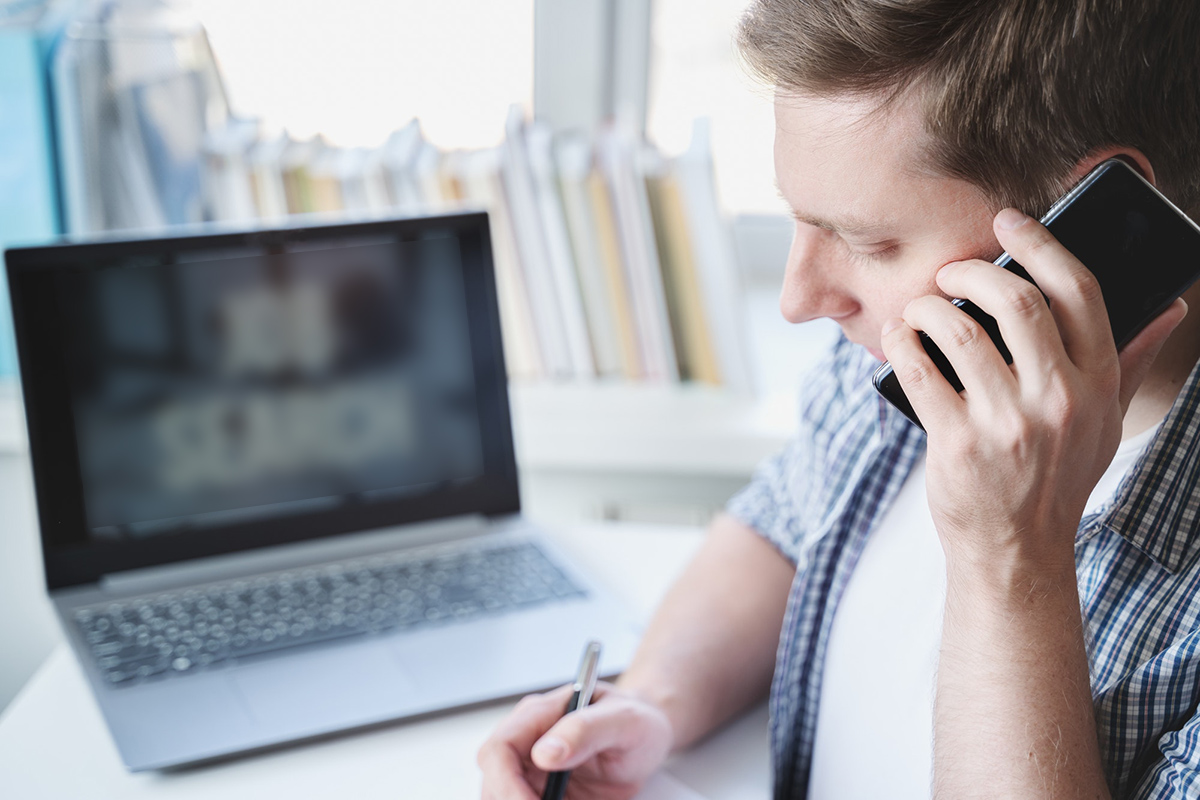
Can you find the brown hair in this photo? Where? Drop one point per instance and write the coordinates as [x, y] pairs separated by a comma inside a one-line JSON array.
[[1016, 92]]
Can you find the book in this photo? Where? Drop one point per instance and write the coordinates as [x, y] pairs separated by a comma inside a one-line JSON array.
[[531, 247], [481, 181], [635, 231], [266, 177], [715, 258], [573, 156], [398, 156], [690, 327], [539, 141], [609, 245], [229, 190]]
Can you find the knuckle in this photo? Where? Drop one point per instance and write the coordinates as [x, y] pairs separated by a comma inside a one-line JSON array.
[[1018, 432], [963, 333], [1060, 402], [1024, 299], [1040, 240], [915, 373], [1083, 284]]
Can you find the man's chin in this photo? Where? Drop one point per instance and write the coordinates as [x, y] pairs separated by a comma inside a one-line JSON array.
[[875, 352]]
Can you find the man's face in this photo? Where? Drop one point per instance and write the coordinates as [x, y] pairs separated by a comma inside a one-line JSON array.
[[873, 225]]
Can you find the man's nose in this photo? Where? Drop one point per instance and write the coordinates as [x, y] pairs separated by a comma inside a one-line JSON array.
[[812, 283]]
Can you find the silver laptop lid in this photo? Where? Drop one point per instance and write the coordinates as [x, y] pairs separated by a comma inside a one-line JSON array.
[[201, 395]]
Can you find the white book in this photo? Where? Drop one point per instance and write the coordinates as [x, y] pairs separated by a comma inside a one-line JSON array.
[[375, 182], [573, 155], [266, 173], [399, 155], [636, 229], [716, 259], [480, 177], [531, 245], [540, 143], [426, 176], [228, 185]]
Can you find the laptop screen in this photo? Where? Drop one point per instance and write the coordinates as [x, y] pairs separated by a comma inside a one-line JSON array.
[[199, 396]]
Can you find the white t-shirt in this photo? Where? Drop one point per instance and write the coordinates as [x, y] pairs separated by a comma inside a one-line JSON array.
[[875, 721]]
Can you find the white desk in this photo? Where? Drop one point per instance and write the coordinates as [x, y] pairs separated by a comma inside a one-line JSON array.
[[54, 744]]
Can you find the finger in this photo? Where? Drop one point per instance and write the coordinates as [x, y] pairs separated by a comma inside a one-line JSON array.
[[503, 756], [1138, 356], [504, 775], [965, 344], [1026, 324], [533, 716], [931, 395], [581, 735], [1075, 297]]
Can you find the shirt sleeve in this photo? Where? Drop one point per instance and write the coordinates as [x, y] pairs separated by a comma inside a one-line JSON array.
[[766, 504]]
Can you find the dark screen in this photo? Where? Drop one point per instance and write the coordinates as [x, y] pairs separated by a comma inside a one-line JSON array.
[[232, 385]]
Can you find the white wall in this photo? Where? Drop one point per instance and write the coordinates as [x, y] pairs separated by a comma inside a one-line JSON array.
[[28, 629]]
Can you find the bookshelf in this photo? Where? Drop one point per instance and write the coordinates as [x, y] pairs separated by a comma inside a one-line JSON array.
[[649, 378], [662, 453]]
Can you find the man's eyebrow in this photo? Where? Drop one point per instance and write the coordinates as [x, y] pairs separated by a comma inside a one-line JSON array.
[[854, 226]]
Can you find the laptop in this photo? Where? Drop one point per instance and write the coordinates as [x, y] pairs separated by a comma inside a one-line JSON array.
[[276, 487]]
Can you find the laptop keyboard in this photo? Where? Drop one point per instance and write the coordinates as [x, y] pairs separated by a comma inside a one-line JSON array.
[[180, 632]]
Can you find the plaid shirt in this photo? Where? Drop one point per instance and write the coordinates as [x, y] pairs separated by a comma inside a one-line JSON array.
[[1136, 558]]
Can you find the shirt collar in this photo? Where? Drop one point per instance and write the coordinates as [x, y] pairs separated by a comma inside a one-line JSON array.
[[1157, 507]]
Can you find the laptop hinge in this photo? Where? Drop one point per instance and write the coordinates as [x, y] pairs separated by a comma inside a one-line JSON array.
[[290, 556]]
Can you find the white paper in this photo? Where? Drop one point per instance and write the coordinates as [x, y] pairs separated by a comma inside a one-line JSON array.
[[662, 786]]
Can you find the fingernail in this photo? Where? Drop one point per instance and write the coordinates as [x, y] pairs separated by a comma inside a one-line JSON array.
[[551, 748], [1010, 218], [891, 325]]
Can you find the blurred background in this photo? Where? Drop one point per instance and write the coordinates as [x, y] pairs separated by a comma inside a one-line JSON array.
[[623, 152]]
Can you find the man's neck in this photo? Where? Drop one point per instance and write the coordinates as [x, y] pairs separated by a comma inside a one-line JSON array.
[[1168, 373]]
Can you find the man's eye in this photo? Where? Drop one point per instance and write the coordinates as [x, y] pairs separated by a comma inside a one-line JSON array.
[[873, 253]]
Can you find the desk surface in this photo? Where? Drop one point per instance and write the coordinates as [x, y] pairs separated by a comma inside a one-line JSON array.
[[54, 743]]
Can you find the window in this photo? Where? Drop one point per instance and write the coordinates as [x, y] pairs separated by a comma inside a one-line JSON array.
[[356, 70], [695, 71]]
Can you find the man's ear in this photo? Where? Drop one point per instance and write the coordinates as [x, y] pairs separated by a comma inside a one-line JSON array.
[[1130, 155]]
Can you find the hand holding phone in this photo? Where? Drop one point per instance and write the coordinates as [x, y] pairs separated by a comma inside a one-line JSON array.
[[1143, 251]]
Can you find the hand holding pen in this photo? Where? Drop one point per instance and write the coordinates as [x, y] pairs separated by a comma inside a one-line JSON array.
[[611, 747], [581, 695]]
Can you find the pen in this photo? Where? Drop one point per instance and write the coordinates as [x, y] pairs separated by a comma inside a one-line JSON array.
[[585, 684]]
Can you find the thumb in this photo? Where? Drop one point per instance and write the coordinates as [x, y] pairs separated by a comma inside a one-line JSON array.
[[635, 738], [580, 735], [1137, 356]]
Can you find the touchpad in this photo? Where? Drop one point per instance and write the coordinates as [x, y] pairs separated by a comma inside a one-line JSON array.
[[340, 686]]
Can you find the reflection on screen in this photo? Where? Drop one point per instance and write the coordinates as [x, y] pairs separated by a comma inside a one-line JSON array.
[[218, 387]]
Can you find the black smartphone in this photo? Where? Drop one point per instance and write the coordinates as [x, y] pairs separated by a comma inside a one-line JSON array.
[[1143, 250]]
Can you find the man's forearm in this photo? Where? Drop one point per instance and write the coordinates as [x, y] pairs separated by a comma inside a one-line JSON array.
[[1014, 715], [710, 650]]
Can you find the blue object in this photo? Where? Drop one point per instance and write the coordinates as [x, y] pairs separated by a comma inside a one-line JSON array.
[[28, 189]]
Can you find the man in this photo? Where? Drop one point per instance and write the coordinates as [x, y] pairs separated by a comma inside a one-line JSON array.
[[929, 589]]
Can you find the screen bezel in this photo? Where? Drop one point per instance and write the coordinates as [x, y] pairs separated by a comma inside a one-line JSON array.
[[72, 558]]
